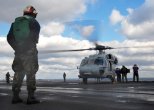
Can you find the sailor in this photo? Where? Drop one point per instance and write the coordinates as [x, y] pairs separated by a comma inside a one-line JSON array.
[[135, 73], [23, 37]]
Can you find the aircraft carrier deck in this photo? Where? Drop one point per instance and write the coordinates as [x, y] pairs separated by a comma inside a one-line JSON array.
[[73, 95]]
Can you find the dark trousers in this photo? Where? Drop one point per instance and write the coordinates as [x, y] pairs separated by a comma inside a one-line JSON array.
[[124, 76], [118, 77], [136, 76]]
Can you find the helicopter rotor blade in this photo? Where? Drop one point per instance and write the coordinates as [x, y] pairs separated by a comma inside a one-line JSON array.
[[134, 47], [97, 47], [57, 51]]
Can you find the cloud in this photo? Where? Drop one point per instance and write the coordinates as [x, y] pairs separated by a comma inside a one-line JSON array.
[[48, 10], [87, 30], [138, 24], [142, 14], [52, 28], [5, 48], [130, 10], [142, 32], [115, 17]]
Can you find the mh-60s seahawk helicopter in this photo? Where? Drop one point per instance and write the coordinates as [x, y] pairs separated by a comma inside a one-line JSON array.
[[99, 65]]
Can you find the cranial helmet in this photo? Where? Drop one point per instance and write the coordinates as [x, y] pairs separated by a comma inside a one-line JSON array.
[[30, 10]]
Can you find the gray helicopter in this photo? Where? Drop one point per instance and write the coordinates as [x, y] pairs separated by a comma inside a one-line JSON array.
[[100, 65]]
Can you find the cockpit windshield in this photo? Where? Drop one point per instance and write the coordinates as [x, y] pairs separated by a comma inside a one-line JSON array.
[[99, 61], [84, 62]]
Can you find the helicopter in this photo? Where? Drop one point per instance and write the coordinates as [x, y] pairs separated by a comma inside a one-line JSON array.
[[99, 65]]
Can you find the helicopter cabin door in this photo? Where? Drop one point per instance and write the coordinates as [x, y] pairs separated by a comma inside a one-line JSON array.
[[109, 58]]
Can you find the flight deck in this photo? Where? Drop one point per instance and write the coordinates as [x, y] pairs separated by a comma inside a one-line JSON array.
[[73, 95]]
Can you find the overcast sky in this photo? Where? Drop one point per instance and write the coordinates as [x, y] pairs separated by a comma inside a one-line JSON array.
[[114, 23]]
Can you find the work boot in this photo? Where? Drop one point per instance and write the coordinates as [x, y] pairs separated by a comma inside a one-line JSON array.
[[16, 99], [31, 98]]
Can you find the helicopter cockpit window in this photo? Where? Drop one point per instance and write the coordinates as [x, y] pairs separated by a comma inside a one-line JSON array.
[[99, 61], [84, 62], [116, 61], [109, 56], [91, 61]]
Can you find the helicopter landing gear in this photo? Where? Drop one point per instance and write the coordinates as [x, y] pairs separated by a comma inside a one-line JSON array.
[[85, 80], [111, 78]]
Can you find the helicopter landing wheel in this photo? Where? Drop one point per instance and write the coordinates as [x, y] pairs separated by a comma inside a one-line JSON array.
[[85, 80], [112, 79]]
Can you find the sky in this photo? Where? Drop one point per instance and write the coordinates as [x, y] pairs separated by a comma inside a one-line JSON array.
[[76, 24]]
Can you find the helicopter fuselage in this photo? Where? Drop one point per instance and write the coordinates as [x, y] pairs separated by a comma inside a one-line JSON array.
[[98, 66]]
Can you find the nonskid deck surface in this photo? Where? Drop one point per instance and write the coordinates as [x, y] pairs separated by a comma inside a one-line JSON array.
[[73, 95]]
